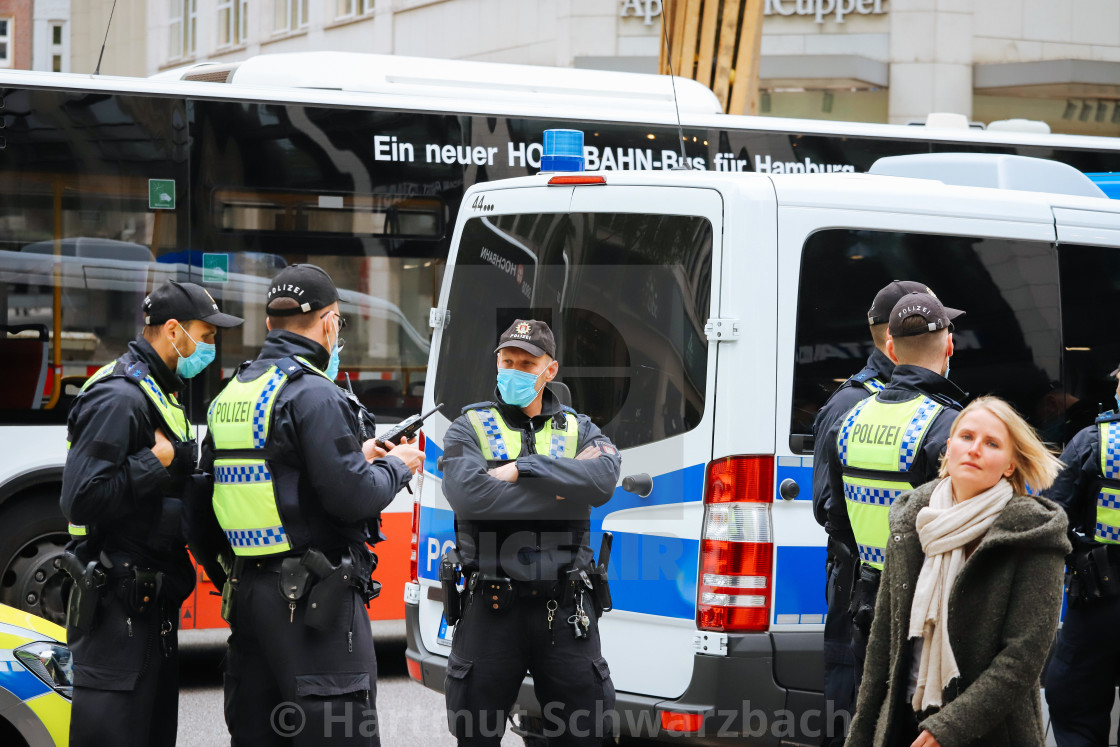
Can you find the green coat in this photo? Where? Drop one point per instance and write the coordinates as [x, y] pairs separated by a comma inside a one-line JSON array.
[[1003, 612]]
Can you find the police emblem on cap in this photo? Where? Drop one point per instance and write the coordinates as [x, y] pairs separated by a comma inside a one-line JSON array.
[[524, 328]]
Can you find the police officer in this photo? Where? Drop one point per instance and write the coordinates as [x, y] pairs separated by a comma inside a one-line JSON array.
[[890, 443], [1082, 674], [522, 473], [840, 565], [297, 494], [129, 466]]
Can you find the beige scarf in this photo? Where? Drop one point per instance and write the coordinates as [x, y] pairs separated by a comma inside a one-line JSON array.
[[944, 529]]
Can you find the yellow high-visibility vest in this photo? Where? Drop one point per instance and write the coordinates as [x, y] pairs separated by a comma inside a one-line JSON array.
[[245, 500], [877, 444], [501, 443]]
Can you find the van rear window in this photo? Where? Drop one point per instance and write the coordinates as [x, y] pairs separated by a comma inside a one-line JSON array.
[[627, 296], [1007, 344]]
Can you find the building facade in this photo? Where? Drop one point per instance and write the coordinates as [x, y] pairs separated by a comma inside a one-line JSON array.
[[865, 60], [35, 35], [15, 34]]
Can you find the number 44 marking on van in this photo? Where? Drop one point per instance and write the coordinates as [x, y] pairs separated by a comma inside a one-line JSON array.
[[722, 330]]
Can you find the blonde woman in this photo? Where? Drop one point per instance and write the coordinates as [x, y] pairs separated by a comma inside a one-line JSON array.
[[970, 595]]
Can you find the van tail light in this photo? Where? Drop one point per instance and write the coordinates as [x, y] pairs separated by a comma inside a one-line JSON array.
[[414, 551], [736, 548]]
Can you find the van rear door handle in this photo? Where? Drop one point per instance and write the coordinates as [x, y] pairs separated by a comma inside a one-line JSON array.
[[640, 484]]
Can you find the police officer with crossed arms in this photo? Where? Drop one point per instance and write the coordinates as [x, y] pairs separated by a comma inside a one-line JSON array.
[[1080, 680], [297, 494], [840, 676], [128, 471], [890, 443], [522, 473]]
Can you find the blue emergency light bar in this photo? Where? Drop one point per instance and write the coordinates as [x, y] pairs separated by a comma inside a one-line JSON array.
[[563, 150]]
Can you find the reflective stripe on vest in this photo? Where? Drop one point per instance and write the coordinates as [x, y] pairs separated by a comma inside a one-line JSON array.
[[168, 407], [244, 499], [884, 438], [77, 530], [501, 443], [1108, 500]]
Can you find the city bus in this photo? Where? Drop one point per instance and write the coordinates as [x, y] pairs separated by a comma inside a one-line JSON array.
[[222, 174]]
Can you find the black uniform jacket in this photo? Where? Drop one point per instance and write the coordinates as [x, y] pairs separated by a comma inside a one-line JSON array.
[[907, 382], [880, 367], [528, 530], [315, 451], [112, 482], [1076, 486]]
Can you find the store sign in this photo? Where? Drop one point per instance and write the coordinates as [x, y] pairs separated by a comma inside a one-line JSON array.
[[819, 9], [823, 9], [647, 9]]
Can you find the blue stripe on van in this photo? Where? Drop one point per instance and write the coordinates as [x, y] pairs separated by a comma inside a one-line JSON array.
[[799, 585], [679, 486], [786, 469], [432, 453], [648, 573], [651, 574]]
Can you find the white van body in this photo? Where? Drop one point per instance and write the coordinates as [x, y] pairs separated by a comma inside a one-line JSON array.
[[784, 250]]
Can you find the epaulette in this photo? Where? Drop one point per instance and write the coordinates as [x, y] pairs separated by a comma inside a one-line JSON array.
[[136, 371], [945, 400], [1110, 416], [290, 367], [572, 410], [478, 406]]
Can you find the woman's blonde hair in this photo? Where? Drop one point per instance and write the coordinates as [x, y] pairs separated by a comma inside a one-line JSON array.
[[1034, 464]]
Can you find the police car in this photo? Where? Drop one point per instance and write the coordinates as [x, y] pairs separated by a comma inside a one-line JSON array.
[[702, 319], [35, 680]]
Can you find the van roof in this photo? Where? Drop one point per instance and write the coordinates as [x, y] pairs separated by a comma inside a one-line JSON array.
[[853, 191]]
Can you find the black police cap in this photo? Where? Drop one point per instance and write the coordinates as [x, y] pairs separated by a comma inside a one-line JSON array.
[[926, 306], [885, 299], [184, 302], [530, 335], [309, 285]]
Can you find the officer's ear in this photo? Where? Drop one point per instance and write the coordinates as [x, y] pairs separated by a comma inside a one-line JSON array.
[[551, 370], [268, 323], [949, 346], [890, 348]]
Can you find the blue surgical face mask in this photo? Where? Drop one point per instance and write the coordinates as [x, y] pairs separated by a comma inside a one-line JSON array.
[[1117, 398], [517, 388], [947, 361], [191, 365], [336, 352]]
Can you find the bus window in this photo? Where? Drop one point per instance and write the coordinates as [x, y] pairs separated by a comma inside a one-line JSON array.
[[263, 211], [626, 295], [77, 297], [81, 243], [1007, 344]]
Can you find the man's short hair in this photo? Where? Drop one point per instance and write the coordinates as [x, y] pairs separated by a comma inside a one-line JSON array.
[[289, 321], [916, 343]]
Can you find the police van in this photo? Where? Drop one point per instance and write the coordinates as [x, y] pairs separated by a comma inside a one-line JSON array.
[[702, 319]]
